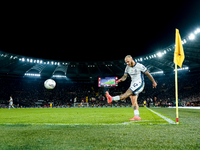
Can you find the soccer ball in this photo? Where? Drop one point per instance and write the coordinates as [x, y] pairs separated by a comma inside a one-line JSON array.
[[49, 84]]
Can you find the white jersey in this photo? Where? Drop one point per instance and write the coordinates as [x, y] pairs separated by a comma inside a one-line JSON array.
[[11, 101], [137, 77], [136, 72]]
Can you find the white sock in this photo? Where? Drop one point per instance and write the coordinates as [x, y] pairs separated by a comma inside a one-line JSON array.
[[136, 112], [9, 107], [116, 98]]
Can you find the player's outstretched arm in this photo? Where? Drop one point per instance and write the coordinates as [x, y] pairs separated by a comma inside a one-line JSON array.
[[151, 78], [123, 78]]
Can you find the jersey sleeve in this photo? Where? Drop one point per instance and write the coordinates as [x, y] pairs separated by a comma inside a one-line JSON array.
[[126, 70], [143, 68]]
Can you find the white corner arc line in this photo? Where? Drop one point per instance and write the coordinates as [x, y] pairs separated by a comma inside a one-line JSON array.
[[165, 118]]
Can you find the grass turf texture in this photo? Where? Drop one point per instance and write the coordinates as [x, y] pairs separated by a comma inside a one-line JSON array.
[[153, 134]]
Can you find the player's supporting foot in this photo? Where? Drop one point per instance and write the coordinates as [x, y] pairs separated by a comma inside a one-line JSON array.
[[109, 98], [135, 118]]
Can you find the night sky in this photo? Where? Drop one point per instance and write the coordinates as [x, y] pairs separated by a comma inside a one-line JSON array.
[[100, 31]]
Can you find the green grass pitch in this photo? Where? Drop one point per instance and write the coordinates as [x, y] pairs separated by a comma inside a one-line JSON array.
[[97, 128], [112, 82]]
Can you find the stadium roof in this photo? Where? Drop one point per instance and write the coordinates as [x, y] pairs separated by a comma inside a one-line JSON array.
[[159, 62]]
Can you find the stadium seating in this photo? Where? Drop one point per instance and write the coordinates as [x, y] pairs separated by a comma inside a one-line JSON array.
[[26, 92]]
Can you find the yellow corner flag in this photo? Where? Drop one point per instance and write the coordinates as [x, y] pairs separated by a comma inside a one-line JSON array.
[[178, 60], [178, 53]]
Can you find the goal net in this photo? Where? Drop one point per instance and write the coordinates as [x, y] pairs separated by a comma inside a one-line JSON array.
[[81, 105]]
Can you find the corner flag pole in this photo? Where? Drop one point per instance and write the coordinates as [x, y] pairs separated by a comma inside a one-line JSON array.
[[176, 93], [179, 57]]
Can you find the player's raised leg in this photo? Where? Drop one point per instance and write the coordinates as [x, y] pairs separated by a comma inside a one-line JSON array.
[[135, 108], [118, 97]]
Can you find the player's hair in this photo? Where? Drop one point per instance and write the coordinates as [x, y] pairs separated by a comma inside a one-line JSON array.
[[127, 56]]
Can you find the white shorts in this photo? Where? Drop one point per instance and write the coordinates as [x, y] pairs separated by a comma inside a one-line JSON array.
[[137, 87], [11, 103]]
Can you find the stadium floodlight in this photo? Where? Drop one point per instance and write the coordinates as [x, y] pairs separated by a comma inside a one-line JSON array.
[[159, 54], [52, 62], [23, 59], [32, 74], [59, 76], [158, 72], [191, 36], [184, 68], [41, 61], [197, 31], [31, 60], [184, 41]]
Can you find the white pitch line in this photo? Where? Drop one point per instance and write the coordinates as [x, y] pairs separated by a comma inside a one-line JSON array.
[[165, 118], [78, 124]]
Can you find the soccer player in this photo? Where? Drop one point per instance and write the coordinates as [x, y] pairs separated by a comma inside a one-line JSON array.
[[136, 72], [11, 102]]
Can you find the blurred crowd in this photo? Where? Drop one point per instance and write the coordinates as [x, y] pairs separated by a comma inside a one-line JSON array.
[[32, 93]]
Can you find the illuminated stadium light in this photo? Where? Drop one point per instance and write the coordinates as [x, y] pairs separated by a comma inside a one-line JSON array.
[[184, 68], [32, 74], [159, 54], [197, 31], [23, 59], [59, 76], [41, 61], [184, 41], [191, 36], [158, 72]]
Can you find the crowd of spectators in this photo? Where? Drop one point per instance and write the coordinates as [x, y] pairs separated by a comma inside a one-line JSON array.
[[27, 92]]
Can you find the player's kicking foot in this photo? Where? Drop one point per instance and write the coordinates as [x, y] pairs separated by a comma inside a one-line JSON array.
[[135, 118], [109, 98]]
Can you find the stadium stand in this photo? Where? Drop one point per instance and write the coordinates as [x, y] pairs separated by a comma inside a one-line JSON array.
[[27, 92]]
